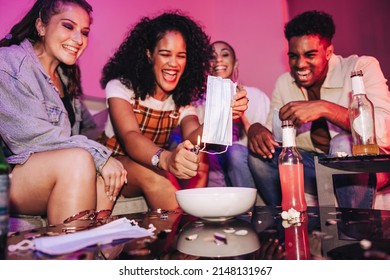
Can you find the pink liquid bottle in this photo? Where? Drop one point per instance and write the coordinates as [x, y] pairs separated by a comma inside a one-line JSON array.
[[291, 171], [296, 240]]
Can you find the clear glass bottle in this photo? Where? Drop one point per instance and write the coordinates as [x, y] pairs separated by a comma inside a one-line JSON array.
[[361, 116], [291, 171], [4, 201]]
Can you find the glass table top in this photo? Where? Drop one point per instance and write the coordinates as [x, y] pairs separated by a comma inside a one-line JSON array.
[[321, 233]]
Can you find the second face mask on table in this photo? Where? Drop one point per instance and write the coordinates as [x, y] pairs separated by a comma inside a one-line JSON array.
[[218, 120]]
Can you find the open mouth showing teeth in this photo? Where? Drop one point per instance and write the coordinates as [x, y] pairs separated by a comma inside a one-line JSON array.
[[169, 75], [303, 75], [70, 48], [220, 68]]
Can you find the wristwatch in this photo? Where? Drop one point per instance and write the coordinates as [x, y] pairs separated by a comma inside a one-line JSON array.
[[156, 158]]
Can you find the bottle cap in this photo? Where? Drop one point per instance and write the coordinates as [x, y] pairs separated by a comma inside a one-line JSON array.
[[357, 73], [287, 123], [357, 82]]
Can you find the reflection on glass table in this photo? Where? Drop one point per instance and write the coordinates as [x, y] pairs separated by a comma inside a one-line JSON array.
[[332, 233], [296, 239], [209, 239], [322, 233]]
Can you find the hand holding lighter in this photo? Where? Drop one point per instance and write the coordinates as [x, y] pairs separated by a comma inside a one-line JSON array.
[[196, 148]]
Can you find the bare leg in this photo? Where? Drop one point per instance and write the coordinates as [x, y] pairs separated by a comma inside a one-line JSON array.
[[60, 183], [158, 187]]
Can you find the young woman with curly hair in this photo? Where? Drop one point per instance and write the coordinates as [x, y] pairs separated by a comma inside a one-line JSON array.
[[158, 70]]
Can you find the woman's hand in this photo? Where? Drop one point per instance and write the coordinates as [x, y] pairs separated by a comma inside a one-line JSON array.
[[240, 102], [114, 176], [181, 162]]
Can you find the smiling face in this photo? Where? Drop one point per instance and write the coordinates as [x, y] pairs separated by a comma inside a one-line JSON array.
[[308, 59], [65, 37], [169, 60], [223, 62]]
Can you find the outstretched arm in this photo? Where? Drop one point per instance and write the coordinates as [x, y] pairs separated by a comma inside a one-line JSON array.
[[180, 162]]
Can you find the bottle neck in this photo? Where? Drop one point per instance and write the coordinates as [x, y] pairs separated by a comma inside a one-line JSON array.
[[288, 139], [358, 85]]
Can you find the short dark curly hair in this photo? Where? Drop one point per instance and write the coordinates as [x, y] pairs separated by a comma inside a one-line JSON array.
[[131, 66], [311, 23]]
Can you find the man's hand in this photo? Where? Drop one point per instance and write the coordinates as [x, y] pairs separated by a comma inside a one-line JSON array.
[[261, 141], [301, 112]]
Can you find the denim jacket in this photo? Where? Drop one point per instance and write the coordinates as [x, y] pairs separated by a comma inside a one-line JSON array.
[[84, 122], [32, 116]]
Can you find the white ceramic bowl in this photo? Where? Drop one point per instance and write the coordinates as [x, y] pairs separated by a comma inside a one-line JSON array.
[[216, 203], [210, 239]]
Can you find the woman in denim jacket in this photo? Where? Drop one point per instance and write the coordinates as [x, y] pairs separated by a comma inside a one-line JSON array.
[[53, 173]]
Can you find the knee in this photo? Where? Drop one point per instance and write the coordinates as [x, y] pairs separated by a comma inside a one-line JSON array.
[[144, 178], [238, 163], [237, 151], [257, 162], [256, 165], [81, 160], [253, 162]]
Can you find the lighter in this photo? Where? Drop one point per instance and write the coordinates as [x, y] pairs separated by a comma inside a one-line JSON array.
[[196, 148]]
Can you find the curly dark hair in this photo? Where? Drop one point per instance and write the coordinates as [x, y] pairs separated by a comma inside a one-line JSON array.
[[131, 66], [311, 23], [25, 29]]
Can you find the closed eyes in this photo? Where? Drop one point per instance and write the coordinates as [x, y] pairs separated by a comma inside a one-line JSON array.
[[70, 26]]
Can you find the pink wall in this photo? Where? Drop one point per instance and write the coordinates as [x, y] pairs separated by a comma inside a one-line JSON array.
[[253, 27]]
